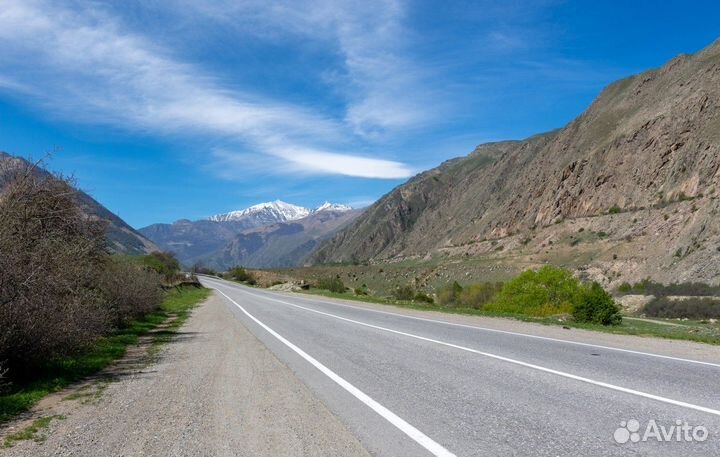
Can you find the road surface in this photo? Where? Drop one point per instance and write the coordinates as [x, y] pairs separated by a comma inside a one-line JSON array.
[[406, 385]]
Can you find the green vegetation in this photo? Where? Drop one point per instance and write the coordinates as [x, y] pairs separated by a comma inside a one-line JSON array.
[[163, 263], [422, 297], [333, 284], [552, 291], [596, 306], [615, 210], [62, 371], [405, 293], [449, 294], [476, 296], [240, 274], [690, 289], [545, 292], [31, 432], [692, 330], [692, 308]]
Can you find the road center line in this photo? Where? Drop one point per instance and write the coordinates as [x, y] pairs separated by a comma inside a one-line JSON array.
[[507, 332], [505, 359], [418, 436]]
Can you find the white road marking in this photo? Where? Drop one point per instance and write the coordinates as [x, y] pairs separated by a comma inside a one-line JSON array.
[[507, 332], [505, 359], [418, 436]]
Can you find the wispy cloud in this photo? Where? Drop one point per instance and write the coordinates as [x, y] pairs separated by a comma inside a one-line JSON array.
[[384, 90], [83, 65]]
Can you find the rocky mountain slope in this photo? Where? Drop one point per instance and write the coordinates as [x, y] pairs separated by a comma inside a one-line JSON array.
[[122, 238], [646, 152], [217, 241]]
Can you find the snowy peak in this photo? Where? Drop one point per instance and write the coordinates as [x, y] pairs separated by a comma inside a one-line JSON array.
[[277, 211], [269, 212], [327, 206]]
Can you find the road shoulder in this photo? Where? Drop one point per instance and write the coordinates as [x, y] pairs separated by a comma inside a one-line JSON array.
[[215, 390]]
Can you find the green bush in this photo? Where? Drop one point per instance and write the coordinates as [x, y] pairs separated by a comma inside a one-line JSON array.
[[596, 306], [478, 295], [360, 291], [333, 284], [241, 274], [163, 263], [403, 293], [422, 297], [449, 294], [545, 292]]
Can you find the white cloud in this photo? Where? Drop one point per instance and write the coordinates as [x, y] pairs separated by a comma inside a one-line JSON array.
[[83, 65], [384, 90]]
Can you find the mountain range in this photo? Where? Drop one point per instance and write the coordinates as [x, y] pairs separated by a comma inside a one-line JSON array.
[[121, 237], [265, 235], [628, 189]]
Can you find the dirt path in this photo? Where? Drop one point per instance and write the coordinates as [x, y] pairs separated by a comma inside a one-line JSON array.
[[215, 390]]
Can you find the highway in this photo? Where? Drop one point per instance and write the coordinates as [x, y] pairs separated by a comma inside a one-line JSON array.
[[409, 386]]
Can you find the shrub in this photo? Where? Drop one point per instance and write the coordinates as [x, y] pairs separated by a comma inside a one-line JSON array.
[[129, 290], [478, 295], [403, 293], [547, 291], [241, 274], [448, 295], [693, 289], [596, 306], [333, 284], [615, 210], [422, 297], [625, 288], [50, 256], [360, 291], [692, 308]]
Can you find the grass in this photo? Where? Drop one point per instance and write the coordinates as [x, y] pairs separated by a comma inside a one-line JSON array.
[[63, 372], [30, 432], [697, 331]]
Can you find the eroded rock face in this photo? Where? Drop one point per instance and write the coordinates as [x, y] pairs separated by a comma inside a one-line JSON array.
[[647, 141]]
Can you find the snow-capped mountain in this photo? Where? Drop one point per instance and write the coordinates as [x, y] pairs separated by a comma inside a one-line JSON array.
[[267, 213], [281, 229], [277, 211], [327, 206]]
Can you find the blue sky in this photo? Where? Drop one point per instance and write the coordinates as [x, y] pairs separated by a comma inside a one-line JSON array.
[[174, 109]]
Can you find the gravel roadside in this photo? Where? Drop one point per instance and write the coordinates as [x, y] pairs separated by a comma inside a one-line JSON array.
[[215, 390]]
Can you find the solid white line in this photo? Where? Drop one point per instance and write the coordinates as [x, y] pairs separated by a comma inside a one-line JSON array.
[[418, 436], [506, 359], [507, 332]]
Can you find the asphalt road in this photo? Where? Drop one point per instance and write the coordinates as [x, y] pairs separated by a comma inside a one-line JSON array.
[[408, 386]]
